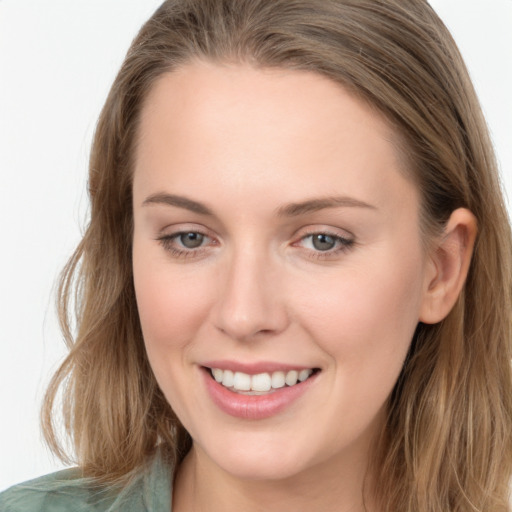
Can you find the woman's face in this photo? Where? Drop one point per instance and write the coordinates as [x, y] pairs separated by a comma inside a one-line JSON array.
[[276, 240]]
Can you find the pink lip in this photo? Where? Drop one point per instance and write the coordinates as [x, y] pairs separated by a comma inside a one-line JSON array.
[[254, 407]]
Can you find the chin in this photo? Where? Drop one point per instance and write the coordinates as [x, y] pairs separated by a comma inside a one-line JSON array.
[[260, 468], [259, 457]]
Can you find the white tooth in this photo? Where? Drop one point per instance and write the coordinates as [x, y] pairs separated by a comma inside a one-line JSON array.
[[242, 381], [261, 382], [304, 374], [217, 374], [227, 378], [278, 380], [291, 377]]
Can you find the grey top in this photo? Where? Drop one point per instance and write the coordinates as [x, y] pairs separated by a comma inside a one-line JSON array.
[[65, 491]]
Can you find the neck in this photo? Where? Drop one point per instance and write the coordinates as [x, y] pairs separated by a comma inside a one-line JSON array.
[[340, 484]]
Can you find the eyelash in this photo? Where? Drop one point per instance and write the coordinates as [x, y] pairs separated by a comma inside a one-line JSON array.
[[343, 245], [168, 243]]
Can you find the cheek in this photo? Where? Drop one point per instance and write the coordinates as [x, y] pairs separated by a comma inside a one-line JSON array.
[[172, 308], [171, 305], [366, 317]]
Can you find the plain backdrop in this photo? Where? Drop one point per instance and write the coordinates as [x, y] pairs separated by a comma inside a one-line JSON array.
[[57, 61]]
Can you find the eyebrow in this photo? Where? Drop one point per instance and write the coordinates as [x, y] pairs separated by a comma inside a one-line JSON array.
[[178, 201], [314, 205], [288, 210]]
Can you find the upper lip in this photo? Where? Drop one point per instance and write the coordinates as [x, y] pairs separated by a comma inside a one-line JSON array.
[[255, 368]]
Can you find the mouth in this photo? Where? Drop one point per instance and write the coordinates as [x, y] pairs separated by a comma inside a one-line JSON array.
[[260, 383], [255, 394]]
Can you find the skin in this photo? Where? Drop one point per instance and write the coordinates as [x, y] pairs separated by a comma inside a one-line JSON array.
[[245, 144]]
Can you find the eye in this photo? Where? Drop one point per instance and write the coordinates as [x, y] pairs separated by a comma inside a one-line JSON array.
[[323, 243], [190, 240], [186, 244]]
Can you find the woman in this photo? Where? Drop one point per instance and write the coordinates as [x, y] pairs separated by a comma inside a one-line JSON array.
[[294, 291]]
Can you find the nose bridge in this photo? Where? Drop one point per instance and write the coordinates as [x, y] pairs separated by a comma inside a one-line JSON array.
[[249, 301]]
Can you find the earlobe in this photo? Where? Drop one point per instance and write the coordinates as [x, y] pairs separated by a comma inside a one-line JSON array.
[[449, 265]]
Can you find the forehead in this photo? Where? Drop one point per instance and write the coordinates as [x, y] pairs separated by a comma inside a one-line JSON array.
[[262, 128], [231, 97]]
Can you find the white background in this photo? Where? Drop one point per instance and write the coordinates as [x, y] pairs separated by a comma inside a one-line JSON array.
[[57, 61]]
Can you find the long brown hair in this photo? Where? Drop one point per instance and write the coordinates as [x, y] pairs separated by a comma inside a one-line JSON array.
[[447, 444]]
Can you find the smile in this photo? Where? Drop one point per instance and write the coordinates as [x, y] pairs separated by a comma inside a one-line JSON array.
[[255, 394], [240, 382]]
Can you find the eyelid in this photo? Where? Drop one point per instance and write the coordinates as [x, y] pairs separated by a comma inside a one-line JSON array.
[[182, 227], [335, 236], [167, 239], [344, 242], [168, 236], [342, 234]]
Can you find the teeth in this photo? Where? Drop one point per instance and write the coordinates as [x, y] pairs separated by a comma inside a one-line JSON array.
[[242, 381], [217, 374], [261, 382], [228, 378], [278, 380], [291, 378], [303, 375]]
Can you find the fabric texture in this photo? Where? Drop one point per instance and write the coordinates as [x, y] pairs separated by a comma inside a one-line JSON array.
[[65, 491]]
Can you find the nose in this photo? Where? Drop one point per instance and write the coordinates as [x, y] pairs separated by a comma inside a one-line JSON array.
[[251, 301]]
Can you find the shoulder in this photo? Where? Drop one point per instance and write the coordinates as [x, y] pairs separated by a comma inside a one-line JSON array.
[[60, 491], [148, 491]]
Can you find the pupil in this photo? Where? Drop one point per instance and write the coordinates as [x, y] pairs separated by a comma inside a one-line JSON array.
[[191, 240], [323, 242]]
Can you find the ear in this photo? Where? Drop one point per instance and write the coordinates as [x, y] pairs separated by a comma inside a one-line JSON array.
[[448, 267]]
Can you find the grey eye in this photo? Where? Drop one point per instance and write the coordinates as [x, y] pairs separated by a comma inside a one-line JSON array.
[[323, 242], [191, 240]]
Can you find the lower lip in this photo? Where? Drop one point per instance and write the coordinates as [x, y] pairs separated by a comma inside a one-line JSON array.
[[254, 407]]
